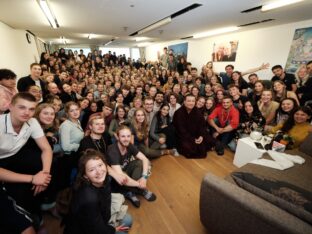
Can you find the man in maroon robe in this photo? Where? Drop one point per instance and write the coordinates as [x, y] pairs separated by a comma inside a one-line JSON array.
[[193, 141]]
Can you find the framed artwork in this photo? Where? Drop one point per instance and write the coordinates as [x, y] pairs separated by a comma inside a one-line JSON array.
[[300, 49], [225, 51], [179, 50]]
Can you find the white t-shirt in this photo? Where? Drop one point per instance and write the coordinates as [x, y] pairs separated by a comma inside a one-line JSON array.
[[10, 141]]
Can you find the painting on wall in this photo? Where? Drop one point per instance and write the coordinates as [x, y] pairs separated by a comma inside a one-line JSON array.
[[300, 49], [179, 50], [225, 51]]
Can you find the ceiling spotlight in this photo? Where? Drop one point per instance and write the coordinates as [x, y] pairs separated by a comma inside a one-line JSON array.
[[48, 13]]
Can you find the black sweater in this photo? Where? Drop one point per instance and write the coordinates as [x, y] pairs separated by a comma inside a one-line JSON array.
[[90, 210]]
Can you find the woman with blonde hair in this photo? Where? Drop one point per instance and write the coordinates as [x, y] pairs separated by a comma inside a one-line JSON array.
[[71, 133], [280, 92], [301, 75], [140, 135], [267, 106]]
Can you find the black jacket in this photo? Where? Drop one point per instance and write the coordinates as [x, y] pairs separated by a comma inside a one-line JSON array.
[[24, 82]]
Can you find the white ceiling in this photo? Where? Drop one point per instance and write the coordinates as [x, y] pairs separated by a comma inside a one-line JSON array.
[[108, 18]]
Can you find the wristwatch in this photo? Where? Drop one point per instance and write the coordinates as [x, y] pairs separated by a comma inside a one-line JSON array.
[[145, 176]]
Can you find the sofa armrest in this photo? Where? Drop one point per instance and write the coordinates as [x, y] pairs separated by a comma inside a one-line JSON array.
[[226, 208]]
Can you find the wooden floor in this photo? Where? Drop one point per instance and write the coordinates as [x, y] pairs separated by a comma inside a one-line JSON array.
[[176, 182]]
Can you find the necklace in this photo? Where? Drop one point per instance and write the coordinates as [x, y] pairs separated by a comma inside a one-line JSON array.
[[224, 120], [97, 143]]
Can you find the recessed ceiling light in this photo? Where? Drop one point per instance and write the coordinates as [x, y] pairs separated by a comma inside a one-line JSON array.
[[91, 36], [141, 38], [278, 4], [144, 44], [216, 32], [48, 13]]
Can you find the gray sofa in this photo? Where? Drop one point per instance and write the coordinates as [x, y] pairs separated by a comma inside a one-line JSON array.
[[227, 208]]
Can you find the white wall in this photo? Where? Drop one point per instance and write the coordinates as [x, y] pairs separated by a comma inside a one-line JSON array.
[[15, 52], [270, 45]]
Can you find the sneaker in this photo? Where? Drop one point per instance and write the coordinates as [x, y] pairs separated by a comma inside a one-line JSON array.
[[219, 148], [175, 152], [133, 199], [47, 206], [148, 195]]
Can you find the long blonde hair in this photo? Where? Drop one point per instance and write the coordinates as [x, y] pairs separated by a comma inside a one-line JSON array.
[[141, 131]]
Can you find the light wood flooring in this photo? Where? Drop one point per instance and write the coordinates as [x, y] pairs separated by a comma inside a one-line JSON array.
[[176, 182]]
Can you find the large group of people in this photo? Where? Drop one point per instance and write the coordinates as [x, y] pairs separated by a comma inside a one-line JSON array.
[[95, 122]]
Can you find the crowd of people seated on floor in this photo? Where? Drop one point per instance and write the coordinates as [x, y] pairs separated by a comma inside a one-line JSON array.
[[94, 123]]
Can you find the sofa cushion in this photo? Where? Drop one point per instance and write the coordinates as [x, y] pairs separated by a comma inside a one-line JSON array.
[[289, 197], [306, 146]]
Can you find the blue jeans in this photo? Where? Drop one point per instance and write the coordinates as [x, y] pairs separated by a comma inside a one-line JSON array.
[[126, 222]]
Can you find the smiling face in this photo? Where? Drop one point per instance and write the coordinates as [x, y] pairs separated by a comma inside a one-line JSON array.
[[36, 92], [97, 126], [47, 116], [57, 104], [301, 117], [234, 91], [208, 88], [148, 105], [121, 113], [35, 71], [9, 83], [278, 87], [259, 87], [226, 103], [253, 79], [220, 95], [53, 89], [209, 104], [235, 76], [287, 105], [278, 72], [164, 111], [189, 102], [67, 88], [159, 98], [139, 116], [248, 107], [74, 112], [95, 172], [124, 137], [200, 103], [266, 96]]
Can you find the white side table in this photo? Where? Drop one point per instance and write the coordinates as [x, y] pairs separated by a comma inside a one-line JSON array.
[[246, 151]]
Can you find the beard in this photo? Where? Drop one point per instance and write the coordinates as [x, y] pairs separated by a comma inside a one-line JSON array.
[[124, 143]]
